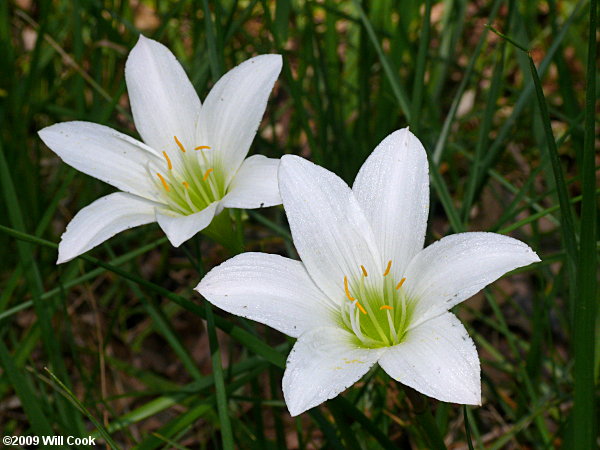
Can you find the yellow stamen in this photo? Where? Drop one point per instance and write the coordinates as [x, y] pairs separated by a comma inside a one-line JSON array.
[[364, 271], [347, 290], [362, 310], [179, 144], [385, 307], [164, 182], [399, 285], [168, 160], [387, 269], [206, 174], [186, 185], [202, 147]]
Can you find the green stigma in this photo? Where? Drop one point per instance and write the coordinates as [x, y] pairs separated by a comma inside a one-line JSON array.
[[377, 313], [192, 180]]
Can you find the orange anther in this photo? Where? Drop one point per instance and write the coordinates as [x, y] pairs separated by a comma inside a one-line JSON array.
[[179, 144], [168, 160], [364, 271], [202, 147], [347, 290], [399, 285], [387, 269], [164, 182], [206, 174], [386, 307]]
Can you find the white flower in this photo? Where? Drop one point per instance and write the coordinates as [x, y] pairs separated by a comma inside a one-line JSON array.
[[192, 162], [366, 291]]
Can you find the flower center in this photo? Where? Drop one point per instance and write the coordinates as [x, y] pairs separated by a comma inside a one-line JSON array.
[[377, 313], [191, 181]]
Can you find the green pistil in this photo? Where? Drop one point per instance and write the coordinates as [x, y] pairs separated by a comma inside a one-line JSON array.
[[191, 182], [378, 325]]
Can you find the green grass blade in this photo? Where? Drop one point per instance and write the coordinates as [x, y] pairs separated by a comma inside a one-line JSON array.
[[419, 82], [444, 133], [216, 67], [223, 409], [33, 276], [584, 410], [66, 392], [23, 389], [484, 132], [391, 72]]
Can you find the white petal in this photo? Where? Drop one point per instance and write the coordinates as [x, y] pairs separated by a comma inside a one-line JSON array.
[[323, 363], [254, 185], [392, 187], [234, 108], [270, 289], [438, 359], [163, 100], [101, 220], [330, 232], [456, 267], [103, 153], [180, 228]]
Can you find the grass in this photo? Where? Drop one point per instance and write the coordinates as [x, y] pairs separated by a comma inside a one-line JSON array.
[[115, 344]]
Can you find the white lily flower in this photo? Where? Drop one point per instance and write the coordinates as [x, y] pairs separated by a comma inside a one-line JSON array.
[[192, 163], [366, 291]]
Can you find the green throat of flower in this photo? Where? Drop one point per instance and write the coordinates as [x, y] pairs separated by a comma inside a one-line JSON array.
[[192, 180], [377, 313]]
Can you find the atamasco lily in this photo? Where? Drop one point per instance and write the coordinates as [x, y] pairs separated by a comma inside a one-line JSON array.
[[366, 291], [192, 161]]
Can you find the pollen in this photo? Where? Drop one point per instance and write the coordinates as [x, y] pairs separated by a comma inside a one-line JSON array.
[[202, 147], [399, 285], [362, 310], [179, 144], [186, 184], [164, 182], [168, 160], [206, 174], [387, 269], [347, 290], [364, 271], [385, 307]]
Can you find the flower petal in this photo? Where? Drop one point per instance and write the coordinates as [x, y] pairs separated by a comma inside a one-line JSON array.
[[163, 100], [456, 267], [330, 232], [323, 363], [254, 185], [439, 359], [234, 108], [103, 153], [180, 228], [270, 289], [101, 220], [392, 188]]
